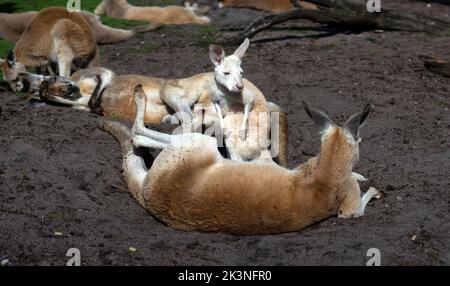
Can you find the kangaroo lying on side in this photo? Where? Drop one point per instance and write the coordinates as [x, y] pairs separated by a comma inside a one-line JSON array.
[[274, 6], [53, 35], [190, 186], [182, 94], [114, 99], [12, 27], [121, 9]]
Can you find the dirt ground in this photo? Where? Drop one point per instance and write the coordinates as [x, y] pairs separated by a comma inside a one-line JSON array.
[[59, 173]]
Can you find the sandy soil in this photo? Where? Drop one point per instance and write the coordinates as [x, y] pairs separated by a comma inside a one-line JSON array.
[[59, 173]]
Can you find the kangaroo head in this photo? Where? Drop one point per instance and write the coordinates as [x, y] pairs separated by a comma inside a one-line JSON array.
[[346, 136], [11, 70], [59, 89], [225, 3], [228, 71]]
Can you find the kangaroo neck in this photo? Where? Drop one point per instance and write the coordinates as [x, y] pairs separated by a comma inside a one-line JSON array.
[[334, 162], [220, 93]]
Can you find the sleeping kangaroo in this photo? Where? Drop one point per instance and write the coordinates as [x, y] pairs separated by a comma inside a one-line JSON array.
[[12, 27], [274, 6], [121, 9], [54, 35], [190, 186]]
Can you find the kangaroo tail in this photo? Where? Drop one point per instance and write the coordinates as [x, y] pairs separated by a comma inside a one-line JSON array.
[[134, 169], [281, 158], [120, 132]]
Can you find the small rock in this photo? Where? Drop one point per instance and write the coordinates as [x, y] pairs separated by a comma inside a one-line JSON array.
[[57, 233], [414, 237], [399, 198], [5, 262], [132, 249]]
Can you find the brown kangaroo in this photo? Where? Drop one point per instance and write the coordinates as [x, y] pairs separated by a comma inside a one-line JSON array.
[[12, 27], [190, 186], [54, 35]]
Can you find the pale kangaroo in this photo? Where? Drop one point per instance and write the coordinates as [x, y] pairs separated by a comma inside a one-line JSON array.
[[274, 6], [12, 27], [190, 186], [230, 89], [53, 35], [121, 9]]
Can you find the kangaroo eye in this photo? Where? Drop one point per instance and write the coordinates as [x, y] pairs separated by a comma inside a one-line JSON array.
[[226, 73]]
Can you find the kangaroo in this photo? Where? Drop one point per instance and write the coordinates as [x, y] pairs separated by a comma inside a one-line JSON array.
[[230, 88], [115, 100], [181, 95], [53, 35], [190, 186], [12, 27], [273, 6], [121, 9]]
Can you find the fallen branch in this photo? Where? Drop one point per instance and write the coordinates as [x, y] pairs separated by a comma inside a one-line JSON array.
[[344, 15], [436, 65]]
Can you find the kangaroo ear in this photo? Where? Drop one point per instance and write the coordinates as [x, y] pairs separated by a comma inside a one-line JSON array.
[[319, 117], [11, 59], [216, 54], [355, 121], [240, 52]]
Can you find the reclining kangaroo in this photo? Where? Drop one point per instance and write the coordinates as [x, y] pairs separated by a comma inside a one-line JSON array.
[[190, 186], [12, 27], [225, 84], [121, 9], [274, 6], [53, 35]]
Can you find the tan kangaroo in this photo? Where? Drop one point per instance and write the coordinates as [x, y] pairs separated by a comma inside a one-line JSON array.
[[53, 35], [12, 27], [121, 9], [190, 186], [274, 6]]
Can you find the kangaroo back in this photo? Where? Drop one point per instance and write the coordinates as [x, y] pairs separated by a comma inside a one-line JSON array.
[[36, 45]]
